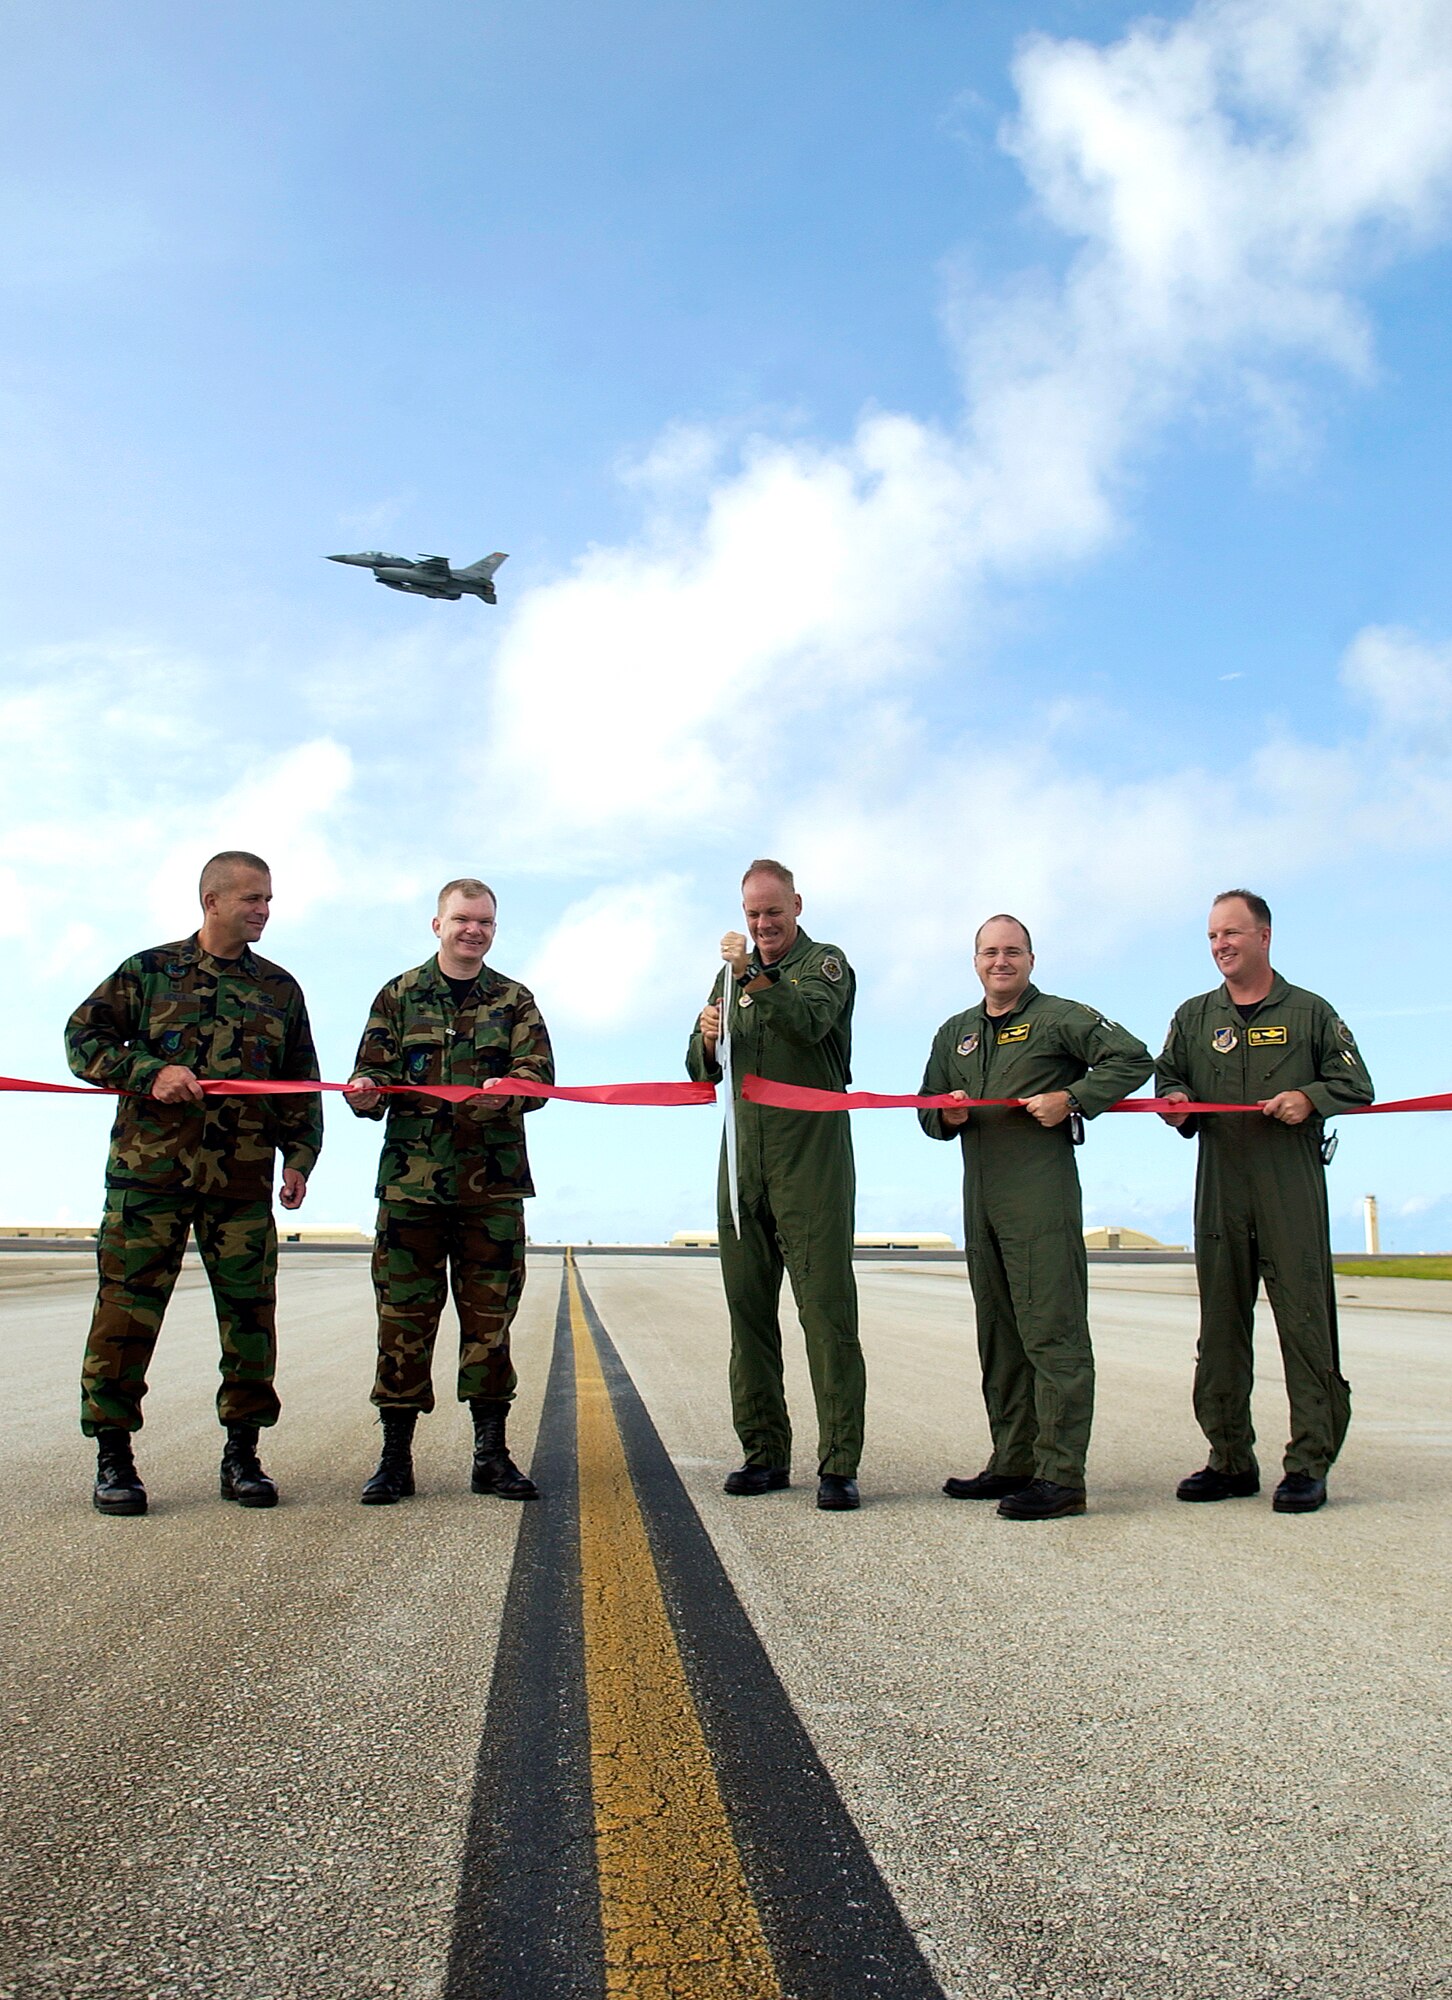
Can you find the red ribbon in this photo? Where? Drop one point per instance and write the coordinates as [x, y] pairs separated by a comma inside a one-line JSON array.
[[799, 1097], [454, 1093]]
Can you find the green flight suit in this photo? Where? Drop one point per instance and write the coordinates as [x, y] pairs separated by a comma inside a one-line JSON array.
[[1023, 1224], [205, 1169], [1260, 1211], [452, 1178], [797, 1195]]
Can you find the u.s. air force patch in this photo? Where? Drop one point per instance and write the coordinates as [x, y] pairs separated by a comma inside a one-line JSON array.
[[832, 968], [1224, 1040], [1346, 1035], [968, 1044]]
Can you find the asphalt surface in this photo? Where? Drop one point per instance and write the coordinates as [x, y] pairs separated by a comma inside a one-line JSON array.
[[1156, 1753]]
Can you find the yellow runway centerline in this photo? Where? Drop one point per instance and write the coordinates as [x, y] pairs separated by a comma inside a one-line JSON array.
[[678, 1920]]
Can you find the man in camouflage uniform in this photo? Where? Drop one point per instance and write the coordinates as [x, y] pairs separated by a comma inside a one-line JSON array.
[[452, 1182], [207, 1007], [1260, 1202], [791, 1021], [1023, 1224]]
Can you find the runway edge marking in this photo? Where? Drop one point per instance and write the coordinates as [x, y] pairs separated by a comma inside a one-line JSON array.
[[527, 1912], [831, 1924]]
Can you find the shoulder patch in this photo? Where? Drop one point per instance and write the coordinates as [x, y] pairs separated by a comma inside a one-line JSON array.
[[831, 967], [1345, 1033]]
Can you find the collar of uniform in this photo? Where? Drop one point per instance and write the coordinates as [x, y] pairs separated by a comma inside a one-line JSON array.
[[435, 980], [1279, 988], [1025, 999], [199, 955], [800, 944]]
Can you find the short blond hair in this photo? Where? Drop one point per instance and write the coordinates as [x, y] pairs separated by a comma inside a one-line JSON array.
[[466, 885], [768, 867]]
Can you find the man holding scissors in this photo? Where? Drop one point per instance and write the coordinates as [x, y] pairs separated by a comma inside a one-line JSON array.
[[788, 1205]]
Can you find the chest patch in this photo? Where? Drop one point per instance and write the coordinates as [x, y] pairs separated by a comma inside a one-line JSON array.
[[418, 1062], [1224, 1040], [968, 1044], [745, 999], [1266, 1038], [1016, 1034]]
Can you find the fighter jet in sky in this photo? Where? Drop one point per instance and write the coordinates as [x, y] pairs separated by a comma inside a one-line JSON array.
[[430, 576]]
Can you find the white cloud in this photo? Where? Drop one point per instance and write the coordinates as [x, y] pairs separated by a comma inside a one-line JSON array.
[[616, 956], [1228, 181], [119, 775], [1406, 682]]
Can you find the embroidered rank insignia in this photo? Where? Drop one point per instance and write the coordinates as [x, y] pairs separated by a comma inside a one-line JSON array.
[[1224, 1040], [968, 1044], [832, 969], [1018, 1034], [1266, 1038]]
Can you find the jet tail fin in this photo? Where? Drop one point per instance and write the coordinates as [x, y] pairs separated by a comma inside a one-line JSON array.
[[482, 570]]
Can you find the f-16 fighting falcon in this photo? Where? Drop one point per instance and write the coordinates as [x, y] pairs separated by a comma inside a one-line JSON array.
[[430, 576]]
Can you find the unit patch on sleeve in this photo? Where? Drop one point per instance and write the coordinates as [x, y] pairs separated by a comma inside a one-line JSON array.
[[1266, 1038], [1224, 1040], [832, 968], [1015, 1034], [1346, 1035]]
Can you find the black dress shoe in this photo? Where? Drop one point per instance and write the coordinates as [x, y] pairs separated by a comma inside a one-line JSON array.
[[987, 1485], [747, 1480], [1213, 1485], [1299, 1493], [836, 1493], [1042, 1500]]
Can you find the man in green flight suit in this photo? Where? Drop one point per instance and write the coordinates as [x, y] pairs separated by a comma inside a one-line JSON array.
[[452, 1182], [1260, 1201], [790, 1020], [1023, 1227], [183, 1161]]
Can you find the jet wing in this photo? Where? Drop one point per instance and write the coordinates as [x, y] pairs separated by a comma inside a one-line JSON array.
[[433, 566]]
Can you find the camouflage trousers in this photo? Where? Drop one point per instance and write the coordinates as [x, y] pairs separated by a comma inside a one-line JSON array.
[[419, 1250], [139, 1254]]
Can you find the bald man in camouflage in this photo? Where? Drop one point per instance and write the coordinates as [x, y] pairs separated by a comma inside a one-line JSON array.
[[181, 1161]]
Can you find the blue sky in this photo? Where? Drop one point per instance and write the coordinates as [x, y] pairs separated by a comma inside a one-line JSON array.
[[991, 456]]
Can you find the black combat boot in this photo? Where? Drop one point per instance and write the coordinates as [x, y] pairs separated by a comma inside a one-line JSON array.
[[243, 1479], [118, 1488], [494, 1470], [394, 1478]]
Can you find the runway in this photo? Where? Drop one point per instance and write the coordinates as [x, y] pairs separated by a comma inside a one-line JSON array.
[[1156, 1753]]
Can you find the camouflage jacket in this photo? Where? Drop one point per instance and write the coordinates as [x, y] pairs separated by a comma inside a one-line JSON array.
[[176, 1004], [434, 1151]]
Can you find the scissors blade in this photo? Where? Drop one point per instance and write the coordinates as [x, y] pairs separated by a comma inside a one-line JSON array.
[[729, 1092]]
